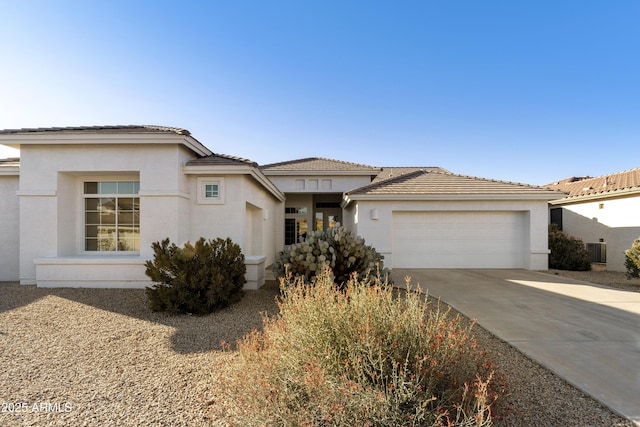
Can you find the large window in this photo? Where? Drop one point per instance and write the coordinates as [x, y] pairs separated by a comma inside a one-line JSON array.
[[112, 216]]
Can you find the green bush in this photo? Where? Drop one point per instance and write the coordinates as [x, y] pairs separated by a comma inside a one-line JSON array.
[[632, 259], [567, 252], [196, 279], [336, 248], [360, 356]]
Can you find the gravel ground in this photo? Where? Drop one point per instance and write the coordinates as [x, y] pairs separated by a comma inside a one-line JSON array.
[[100, 357]]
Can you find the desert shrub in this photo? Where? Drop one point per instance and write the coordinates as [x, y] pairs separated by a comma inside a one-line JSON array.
[[632, 259], [197, 278], [336, 248], [567, 252], [359, 356]]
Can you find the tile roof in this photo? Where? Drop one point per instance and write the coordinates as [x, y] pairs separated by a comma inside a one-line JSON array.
[[425, 182], [10, 162], [101, 129], [18, 137], [221, 159], [394, 172], [318, 164], [605, 185]]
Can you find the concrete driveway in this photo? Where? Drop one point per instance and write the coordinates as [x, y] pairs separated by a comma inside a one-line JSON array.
[[585, 333]]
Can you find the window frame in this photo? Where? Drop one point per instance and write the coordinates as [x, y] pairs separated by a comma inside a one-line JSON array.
[[116, 196], [202, 198]]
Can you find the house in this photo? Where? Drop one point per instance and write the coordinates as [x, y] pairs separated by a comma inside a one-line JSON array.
[[82, 206], [602, 211]]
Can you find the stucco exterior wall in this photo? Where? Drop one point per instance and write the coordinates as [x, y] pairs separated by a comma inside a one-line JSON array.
[[612, 213], [318, 184], [249, 215], [9, 228], [614, 221], [373, 220], [50, 193]]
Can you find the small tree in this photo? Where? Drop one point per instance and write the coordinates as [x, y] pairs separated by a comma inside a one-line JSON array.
[[632, 259], [197, 278], [567, 252]]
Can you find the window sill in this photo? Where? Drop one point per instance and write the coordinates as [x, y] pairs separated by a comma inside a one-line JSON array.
[[92, 259]]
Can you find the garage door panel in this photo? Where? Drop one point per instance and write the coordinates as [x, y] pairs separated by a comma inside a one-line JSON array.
[[458, 239]]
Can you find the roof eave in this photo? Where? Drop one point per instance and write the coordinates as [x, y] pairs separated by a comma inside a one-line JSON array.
[[597, 196], [445, 197], [16, 140], [319, 173]]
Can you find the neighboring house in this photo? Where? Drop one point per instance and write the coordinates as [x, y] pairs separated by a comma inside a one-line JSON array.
[[602, 211], [83, 205]]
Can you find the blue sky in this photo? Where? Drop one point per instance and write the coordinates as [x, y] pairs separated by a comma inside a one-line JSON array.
[[521, 91]]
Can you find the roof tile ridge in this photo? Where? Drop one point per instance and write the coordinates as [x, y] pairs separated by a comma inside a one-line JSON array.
[[307, 159], [388, 181], [288, 162], [398, 169], [240, 159], [410, 167], [179, 131], [347, 163]]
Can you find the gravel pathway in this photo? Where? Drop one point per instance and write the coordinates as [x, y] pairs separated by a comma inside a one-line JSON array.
[[100, 357]]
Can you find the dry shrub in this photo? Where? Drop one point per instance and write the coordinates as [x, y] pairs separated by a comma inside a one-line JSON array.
[[363, 356], [567, 252], [195, 279], [632, 259]]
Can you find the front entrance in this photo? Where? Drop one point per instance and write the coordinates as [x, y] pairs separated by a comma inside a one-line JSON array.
[[326, 218], [305, 213]]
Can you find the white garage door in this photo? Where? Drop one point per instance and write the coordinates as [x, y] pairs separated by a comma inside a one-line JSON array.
[[458, 239]]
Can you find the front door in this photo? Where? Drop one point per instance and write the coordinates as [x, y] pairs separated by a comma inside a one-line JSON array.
[[327, 211], [326, 218]]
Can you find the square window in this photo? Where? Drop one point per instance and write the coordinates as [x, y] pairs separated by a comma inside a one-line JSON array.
[[211, 191]]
